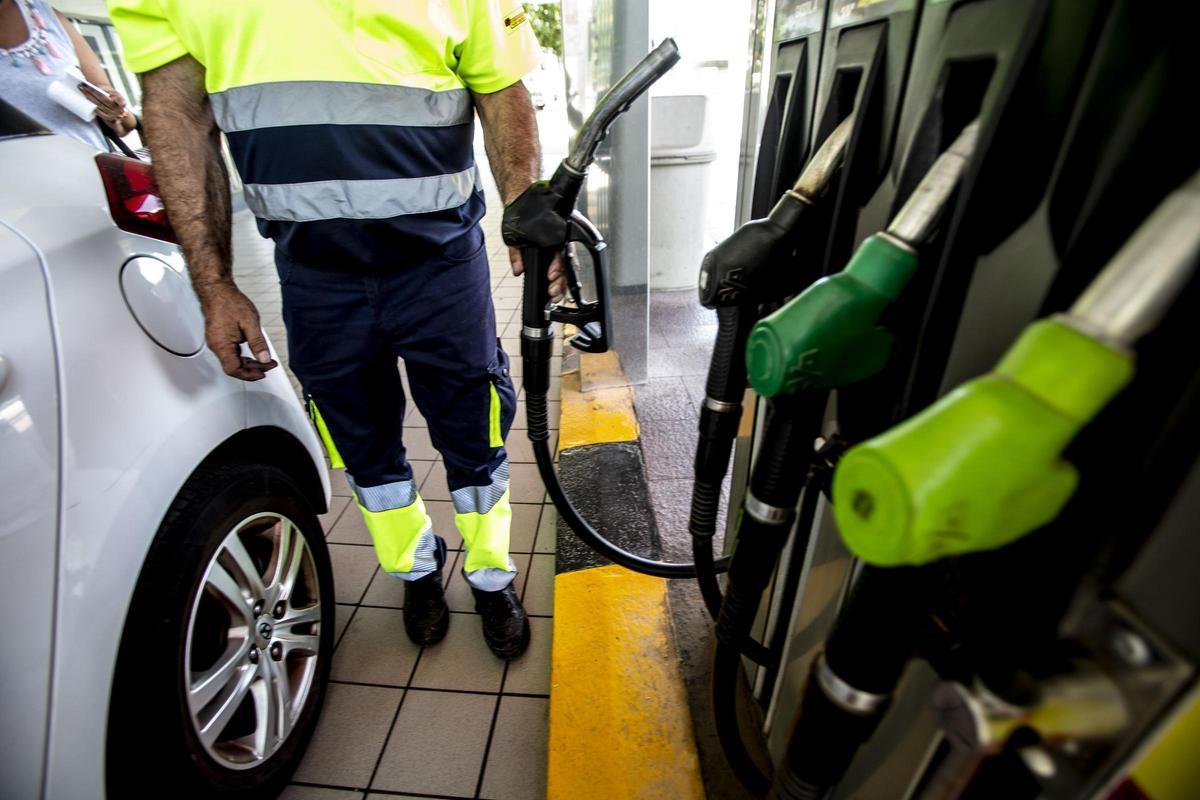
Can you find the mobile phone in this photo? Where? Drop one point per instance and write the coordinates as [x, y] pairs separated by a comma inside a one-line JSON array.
[[77, 76]]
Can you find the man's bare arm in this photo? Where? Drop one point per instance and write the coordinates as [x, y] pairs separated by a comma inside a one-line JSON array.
[[189, 169], [510, 137]]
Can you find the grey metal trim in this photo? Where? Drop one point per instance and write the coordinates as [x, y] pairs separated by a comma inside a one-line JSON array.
[[284, 103], [363, 199], [721, 407], [843, 694], [766, 514], [537, 333]]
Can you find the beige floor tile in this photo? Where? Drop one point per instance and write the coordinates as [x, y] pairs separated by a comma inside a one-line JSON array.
[[553, 409], [520, 449], [338, 485], [417, 444], [523, 533], [461, 661], [341, 618], [441, 513], [375, 649], [350, 736], [525, 485], [385, 590], [434, 487], [437, 744], [316, 793], [337, 505], [353, 566], [516, 763], [530, 674], [547, 536], [539, 590]]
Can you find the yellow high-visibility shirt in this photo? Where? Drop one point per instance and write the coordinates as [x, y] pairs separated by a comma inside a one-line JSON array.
[[350, 121]]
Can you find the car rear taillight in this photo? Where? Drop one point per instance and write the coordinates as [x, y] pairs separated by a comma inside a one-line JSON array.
[[133, 199]]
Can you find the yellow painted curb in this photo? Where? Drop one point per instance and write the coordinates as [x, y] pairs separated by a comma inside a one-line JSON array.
[[600, 415], [619, 720]]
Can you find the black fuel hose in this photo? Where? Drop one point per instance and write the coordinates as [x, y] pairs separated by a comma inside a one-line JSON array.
[[777, 478], [852, 681], [719, 419]]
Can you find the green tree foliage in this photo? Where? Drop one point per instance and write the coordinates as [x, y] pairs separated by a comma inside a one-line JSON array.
[[546, 19]]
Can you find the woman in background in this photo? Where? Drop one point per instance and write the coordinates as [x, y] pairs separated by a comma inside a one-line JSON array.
[[37, 48]]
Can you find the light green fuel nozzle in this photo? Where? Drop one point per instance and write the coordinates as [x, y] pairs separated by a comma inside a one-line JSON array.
[[983, 466]]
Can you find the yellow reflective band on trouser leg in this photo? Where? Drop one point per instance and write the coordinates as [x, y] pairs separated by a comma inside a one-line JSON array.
[[396, 533], [485, 536], [335, 458]]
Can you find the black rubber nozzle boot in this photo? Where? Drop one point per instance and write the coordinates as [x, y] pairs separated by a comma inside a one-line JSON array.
[[426, 617], [505, 626]]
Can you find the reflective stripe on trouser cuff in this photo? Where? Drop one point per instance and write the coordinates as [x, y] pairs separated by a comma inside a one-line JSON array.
[[359, 199], [335, 458], [483, 515], [282, 103], [399, 527]]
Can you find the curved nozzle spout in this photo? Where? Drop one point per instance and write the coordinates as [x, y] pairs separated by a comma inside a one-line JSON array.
[[617, 99], [920, 213], [1132, 294], [821, 168]]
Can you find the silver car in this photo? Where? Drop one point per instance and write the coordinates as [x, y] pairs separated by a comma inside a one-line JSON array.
[[165, 590]]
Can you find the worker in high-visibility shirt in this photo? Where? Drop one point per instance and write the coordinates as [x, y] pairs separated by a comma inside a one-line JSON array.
[[352, 126]]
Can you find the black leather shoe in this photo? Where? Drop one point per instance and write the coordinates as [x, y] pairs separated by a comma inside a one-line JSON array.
[[505, 626], [426, 617]]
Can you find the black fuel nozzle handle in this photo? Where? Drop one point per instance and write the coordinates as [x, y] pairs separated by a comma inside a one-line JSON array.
[[592, 319], [751, 264]]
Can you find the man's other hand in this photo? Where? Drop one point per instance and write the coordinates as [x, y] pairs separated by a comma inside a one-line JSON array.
[[558, 279], [229, 320]]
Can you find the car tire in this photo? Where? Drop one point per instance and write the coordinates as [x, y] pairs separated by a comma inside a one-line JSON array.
[[193, 712]]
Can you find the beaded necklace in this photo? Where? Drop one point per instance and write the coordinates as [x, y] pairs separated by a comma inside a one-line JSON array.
[[38, 47]]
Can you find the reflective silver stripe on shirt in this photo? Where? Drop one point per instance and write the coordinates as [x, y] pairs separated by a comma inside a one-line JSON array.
[[359, 199], [273, 105], [398, 494], [481, 499]]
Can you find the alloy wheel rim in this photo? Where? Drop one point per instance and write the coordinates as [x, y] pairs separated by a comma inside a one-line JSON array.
[[253, 641]]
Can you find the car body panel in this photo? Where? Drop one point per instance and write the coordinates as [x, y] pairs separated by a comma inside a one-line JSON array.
[[139, 421], [29, 440]]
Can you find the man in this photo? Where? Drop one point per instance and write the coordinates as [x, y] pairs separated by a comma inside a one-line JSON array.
[[351, 124]]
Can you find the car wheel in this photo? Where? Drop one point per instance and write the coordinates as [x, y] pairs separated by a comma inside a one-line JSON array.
[[227, 644]]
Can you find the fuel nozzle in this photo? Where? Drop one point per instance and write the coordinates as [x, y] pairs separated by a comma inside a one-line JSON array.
[[983, 466], [748, 264], [1081, 703], [829, 335]]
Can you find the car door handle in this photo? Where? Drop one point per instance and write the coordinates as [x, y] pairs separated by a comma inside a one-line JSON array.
[[4, 371]]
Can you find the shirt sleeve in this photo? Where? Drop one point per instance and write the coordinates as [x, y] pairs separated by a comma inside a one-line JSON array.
[[500, 48], [147, 36]]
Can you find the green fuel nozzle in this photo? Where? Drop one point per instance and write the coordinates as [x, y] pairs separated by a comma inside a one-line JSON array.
[[983, 466], [829, 335], [748, 265]]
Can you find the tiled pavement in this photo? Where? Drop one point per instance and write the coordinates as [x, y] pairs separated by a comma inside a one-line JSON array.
[[668, 404], [451, 720]]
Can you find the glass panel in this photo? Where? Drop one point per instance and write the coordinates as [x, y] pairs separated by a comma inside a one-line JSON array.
[[601, 40]]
